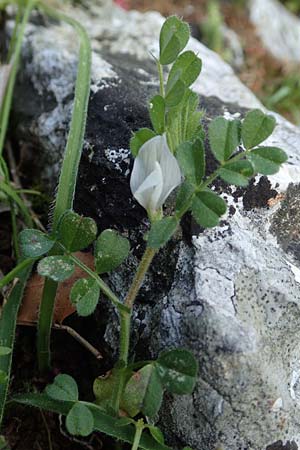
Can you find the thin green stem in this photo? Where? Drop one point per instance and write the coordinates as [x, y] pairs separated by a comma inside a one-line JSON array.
[[4, 172], [237, 157], [15, 272], [13, 74], [125, 324], [139, 427], [13, 195], [45, 323], [28, 192], [139, 276], [15, 33], [125, 320], [14, 230], [179, 214], [208, 181], [161, 79], [69, 171], [8, 321], [103, 286]]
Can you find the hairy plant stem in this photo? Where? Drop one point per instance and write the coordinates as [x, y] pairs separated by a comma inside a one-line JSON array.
[[103, 286], [139, 427], [68, 175], [139, 276], [69, 170], [13, 39], [14, 227], [15, 272], [125, 324]]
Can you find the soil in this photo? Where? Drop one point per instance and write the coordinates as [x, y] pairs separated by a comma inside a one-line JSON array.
[[29, 429]]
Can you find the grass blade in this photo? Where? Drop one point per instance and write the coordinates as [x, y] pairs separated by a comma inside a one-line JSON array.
[[8, 321], [68, 175], [103, 422]]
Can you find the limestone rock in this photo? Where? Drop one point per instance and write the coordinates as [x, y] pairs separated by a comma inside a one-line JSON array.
[[230, 294], [278, 28]]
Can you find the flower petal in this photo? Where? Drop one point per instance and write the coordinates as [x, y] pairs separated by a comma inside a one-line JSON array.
[[145, 161], [170, 171], [155, 173], [149, 192]]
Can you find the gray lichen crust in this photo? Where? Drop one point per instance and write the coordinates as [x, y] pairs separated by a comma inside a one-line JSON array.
[[231, 294]]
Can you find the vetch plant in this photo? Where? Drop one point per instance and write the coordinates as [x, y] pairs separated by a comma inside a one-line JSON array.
[[171, 157]]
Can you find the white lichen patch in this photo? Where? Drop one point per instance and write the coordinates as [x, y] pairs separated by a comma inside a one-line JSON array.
[[229, 116], [101, 70], [118, 156], [53, 49]]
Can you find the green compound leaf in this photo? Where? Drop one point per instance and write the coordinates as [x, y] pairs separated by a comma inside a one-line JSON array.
[[80, 420], [139, 138], [191, 158], [267, 160], [185, 193], [177, 370], [207, 208], [187, 68], [103, 387], [76, 232], [111, 250], [183, 122], [256, 128], [34, 243], [173, 38], [224, 137], [85, 296], [161, 231], [156, 434], [174, 92], [4, 351], [237, 173], [58, 268], [102, 422], [157, 113], [63, 388], [143, 392]]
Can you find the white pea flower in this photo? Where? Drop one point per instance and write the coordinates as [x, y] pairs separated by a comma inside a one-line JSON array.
[[155, 174]]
